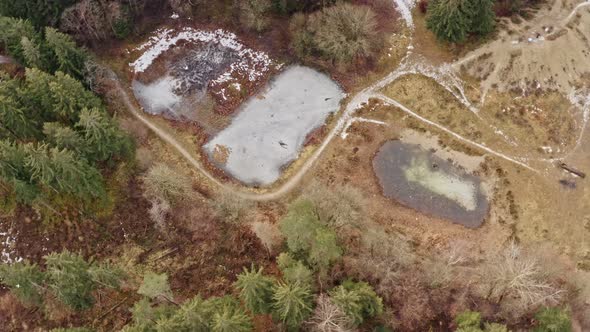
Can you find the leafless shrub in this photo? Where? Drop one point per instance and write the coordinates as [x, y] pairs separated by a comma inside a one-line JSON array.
[[99, 79], [518, 281], [144, 158], [158, 213], [138, 130], [164, 183], [183, 7], [253, 13], [441, 269], [230, 208], [86, 21], [136, 6], [328, 317], [269, 235], [380, 258], [457, 253]]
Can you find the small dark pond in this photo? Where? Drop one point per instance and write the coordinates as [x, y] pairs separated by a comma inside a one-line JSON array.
[[423, 181]]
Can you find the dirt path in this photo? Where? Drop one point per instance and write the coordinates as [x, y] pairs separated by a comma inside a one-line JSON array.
[[346, 117], [443, 75]]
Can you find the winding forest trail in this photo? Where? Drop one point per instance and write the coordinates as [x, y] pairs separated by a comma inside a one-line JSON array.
[[444, 75], [293, 181]]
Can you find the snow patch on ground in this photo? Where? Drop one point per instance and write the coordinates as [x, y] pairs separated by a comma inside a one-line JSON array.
[[250, 64], [7, 254], [405, 9], [158, 97]]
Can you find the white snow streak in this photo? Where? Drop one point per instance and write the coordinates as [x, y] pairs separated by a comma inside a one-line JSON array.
[[252, 64]]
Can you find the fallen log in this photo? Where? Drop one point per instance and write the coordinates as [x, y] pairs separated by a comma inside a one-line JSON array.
[[572, 170]]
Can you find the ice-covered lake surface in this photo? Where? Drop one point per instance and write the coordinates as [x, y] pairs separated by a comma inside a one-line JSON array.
[[158, 97], [271, 128], [417, 178]]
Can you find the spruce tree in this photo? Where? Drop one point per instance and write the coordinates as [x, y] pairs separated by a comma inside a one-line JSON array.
[[70, 59], [196, 314], [69, 278], [299, 226], [553, 320], [15, 122], [450, 20], [357, 300], [63, 172], [255, 290], [292, 304], [483, 16], [227, 316], [12, 30], [25, 281], [294, 271], [38, 95], [324, 250], [14, 172], [104, 139], [63, 137], [69, 98]]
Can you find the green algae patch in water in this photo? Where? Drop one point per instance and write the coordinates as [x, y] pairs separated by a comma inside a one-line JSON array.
[[417, 178]]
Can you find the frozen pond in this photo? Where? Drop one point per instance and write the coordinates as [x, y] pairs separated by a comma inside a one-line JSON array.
[[158, 97], [419, 179], [271, 128]]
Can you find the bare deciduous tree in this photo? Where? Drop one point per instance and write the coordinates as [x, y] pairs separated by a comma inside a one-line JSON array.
[[328, 317], [183, 7], [339, 206], [86, 21], [516, 279], [269, 235], [230, 208], [158, 213]]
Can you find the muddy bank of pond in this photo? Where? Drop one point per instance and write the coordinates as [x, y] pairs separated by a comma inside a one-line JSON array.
[[271, 128], [419, 179]]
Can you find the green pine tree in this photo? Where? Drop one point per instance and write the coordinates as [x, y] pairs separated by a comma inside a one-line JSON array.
[[450, 20], [553, 320], [299, 226], [12, 30], [69, 278], [294, 271], [69, 98], [196, 314], [255, 290], [14, 172], [105, 141], [63, 137], [483, 19], [292, 304], [324, 250], [227, 316], [25, 281], [15, 122], [70, 58], [357, 300]]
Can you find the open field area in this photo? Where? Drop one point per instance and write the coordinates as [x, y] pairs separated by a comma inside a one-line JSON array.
[[257, 166]]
